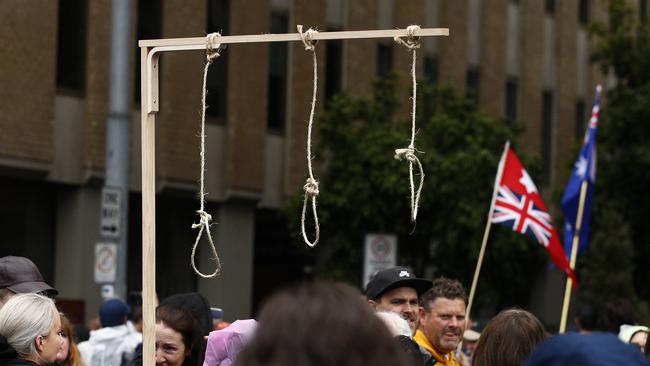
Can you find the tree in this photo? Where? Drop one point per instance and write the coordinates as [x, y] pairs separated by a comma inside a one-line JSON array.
[[623, 49], [364, 189]]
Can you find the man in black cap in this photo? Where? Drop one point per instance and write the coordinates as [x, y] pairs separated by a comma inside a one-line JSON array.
[[19, 275], [396, 289]]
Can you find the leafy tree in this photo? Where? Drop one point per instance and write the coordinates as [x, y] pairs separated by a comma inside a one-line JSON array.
[[622, 204], [364, 189]]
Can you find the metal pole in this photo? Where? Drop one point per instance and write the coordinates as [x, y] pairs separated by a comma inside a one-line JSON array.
[[117, 133]]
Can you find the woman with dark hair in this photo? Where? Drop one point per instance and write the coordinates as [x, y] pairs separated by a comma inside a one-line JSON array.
[[508, 339], [68, 354], [178, 337], [320, 324]]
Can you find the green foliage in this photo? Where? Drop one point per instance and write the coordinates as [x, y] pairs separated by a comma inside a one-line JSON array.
[[624, 160], [364, 189]]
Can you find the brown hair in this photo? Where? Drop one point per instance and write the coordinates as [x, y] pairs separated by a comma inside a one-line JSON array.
[[508, 339], [184, 322], [445, 288], [74, 357], [320, 324]]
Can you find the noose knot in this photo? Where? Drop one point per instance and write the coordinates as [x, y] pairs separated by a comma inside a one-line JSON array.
[[204, 219], [212, 46], [411, 41], [311, 187], [406, 153], [307, 38]]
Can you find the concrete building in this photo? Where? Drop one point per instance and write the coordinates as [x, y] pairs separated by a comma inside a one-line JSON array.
[[526, 60]]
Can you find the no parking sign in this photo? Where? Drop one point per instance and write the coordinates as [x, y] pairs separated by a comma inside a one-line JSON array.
[[380, 253], [105, 262]]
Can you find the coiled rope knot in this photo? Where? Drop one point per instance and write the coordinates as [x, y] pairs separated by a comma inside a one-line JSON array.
[[308, 38], [212, 46], [204, 219], [311, 187], [411, 41], [406, 153]]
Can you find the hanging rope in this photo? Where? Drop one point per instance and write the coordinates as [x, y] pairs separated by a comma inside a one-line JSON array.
[[311, 185], [412, 42], [212, 52]]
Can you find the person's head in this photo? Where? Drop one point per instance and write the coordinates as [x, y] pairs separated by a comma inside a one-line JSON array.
[[68, 352], [320, 324], [396, 289], [586, 318], [442, 314], [508, 339], [618, 312], [636, 335], [113, 313], [19, 275], [31, 324], [470, 339], [178, 336], [198, 305]]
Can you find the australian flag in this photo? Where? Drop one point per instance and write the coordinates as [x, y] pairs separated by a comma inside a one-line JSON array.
[[584, 170]]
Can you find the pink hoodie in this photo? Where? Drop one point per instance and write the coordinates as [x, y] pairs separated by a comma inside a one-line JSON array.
[[224, 345]]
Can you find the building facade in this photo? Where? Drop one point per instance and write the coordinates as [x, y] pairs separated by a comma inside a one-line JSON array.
[[526, 60]]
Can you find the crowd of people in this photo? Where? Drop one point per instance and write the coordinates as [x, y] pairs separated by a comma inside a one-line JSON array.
[[398, 319]]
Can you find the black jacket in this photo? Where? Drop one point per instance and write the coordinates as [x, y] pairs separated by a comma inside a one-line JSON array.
[[9, 357]]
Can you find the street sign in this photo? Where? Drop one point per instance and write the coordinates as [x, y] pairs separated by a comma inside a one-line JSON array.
[[110, 215], [105, 262], [380, 253]]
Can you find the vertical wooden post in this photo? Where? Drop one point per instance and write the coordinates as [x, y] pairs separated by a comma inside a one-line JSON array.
[[148, 120]]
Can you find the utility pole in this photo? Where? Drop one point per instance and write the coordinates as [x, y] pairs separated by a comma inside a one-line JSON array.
[[115, 193]]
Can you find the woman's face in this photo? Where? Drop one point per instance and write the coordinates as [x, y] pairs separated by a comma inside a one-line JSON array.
[[50, 344], [62, 354], [170, 349]]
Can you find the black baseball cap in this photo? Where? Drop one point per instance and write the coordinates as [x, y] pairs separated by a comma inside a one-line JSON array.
[[20, 275], [393, 278]]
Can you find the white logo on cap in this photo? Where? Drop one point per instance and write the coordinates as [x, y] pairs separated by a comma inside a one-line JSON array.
[[404, 274]]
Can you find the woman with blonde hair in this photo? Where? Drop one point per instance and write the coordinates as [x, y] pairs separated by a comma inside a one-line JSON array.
[[30, 327], [68, 354]]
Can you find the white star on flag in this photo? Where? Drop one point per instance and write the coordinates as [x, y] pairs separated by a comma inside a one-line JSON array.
[[527, 182], [581, 166]]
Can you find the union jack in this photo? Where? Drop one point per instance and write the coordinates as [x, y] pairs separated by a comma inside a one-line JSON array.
[[521, 212]]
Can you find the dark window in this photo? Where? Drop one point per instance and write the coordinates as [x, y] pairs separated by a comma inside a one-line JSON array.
[[71, 50], [431, 70], [218, 75], [149, 27], [547, 126], [384, 59], [333, 68], [550, 6], [580, 119], [583, 12], [511, 99], [278, 63], [472, 83]]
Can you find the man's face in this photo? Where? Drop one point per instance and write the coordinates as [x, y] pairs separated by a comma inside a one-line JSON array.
[[402, 300], [444, 324]]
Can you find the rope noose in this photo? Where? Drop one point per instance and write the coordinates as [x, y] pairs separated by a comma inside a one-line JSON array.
[[311, 185], [412, 42], [212, 52]]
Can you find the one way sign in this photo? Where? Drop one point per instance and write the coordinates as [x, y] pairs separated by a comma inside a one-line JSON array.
[[110, 216]]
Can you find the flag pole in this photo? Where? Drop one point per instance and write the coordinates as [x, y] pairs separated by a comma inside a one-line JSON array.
[[486, 233], [574, 255]]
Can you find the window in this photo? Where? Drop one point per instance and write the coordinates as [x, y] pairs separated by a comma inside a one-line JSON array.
[[278, 63], [384, 59], [583, 12], [218, 75], [580, 119], [547, 126], [71, 49], [550, 6], [149, 26], [472, 84], [333, 68], [431, 70], [511, 99]]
